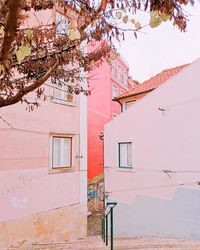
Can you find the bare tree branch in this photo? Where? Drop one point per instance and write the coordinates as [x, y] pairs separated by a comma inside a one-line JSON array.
[[26, 90], [10, 29]]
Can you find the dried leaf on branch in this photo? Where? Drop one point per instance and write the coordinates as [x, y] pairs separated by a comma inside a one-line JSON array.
[[52, 47]]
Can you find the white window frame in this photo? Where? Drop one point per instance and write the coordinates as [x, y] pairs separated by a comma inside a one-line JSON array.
[[60, 168], [129, 104], [114, 88], [125, 80], [119, 73], [113, 68], [129, 158], [61, 98], [58, 94]]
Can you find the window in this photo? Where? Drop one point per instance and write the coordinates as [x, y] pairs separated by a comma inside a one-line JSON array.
[[61, 152], [125, 155], [125, 78], [114, 91], [119, 73], [113, 67], [62, 24], [61, 92], [61, 95], [129, 104]]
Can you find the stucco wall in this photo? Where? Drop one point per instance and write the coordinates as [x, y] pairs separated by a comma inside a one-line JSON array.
[[167, 140], [157, 217], [35, 204], [26, 192], [100, 110], [26, 185], [57, 225]]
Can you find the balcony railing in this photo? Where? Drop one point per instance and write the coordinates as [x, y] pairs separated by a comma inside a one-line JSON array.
[[108, 213]]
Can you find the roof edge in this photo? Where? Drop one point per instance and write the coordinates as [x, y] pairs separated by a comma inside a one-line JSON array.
[[139, 93]]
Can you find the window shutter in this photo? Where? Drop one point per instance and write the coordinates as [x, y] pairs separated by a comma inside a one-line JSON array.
[[65, 152], [56, 152], [129, 154], [123, 155]]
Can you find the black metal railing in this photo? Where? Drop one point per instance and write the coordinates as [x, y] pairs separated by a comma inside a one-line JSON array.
[[105, 222]]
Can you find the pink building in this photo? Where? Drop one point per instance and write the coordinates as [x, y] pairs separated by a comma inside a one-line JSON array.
[[152, 160], [43, 170], [107, 81]]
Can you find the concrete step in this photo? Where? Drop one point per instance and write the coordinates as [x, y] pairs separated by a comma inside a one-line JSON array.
[[122, 243]]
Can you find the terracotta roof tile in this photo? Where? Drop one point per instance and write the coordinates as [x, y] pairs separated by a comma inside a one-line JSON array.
[[153, 82]]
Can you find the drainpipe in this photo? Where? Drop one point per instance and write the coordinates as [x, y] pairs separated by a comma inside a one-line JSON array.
[[101, 136], [83, 139]]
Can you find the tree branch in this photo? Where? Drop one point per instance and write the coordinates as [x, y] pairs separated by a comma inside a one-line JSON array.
[[11, 27], [22, 92]]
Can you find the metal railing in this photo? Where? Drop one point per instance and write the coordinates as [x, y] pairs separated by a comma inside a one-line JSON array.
[[105, 221]]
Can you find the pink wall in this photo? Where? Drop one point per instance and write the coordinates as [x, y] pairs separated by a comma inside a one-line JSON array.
[[168, 140], [116, 108], [27, 192], [38, 203], [100, 111], [25, 183]]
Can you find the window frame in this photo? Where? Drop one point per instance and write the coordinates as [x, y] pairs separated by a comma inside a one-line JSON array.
[[58, 94], [61, 97], [116, 88], [119, 73], [119, 155], [128, 103], [113, 71], [60, 169], [125, 78]]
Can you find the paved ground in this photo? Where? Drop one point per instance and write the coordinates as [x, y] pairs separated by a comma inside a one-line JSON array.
[[94, 241], [94, 223]]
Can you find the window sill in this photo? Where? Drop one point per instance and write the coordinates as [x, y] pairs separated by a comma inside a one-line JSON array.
[[130, 169], [65, 103], [60, 170], [119, 81]]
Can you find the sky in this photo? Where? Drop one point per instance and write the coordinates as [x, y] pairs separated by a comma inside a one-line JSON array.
[[162, 47]]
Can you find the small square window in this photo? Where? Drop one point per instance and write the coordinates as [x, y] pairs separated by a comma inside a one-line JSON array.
[[129, 104], [61, 152], [61, 92], [125, 155], [62, 95]]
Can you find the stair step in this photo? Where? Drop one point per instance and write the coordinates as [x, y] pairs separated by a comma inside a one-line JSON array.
[[120, 243]]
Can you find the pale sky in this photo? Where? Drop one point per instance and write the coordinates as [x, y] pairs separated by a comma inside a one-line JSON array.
[[162, 47]]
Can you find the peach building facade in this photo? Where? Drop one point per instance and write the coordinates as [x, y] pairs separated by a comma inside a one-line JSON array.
[[152, 161], [43, 169], [43, 173]]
